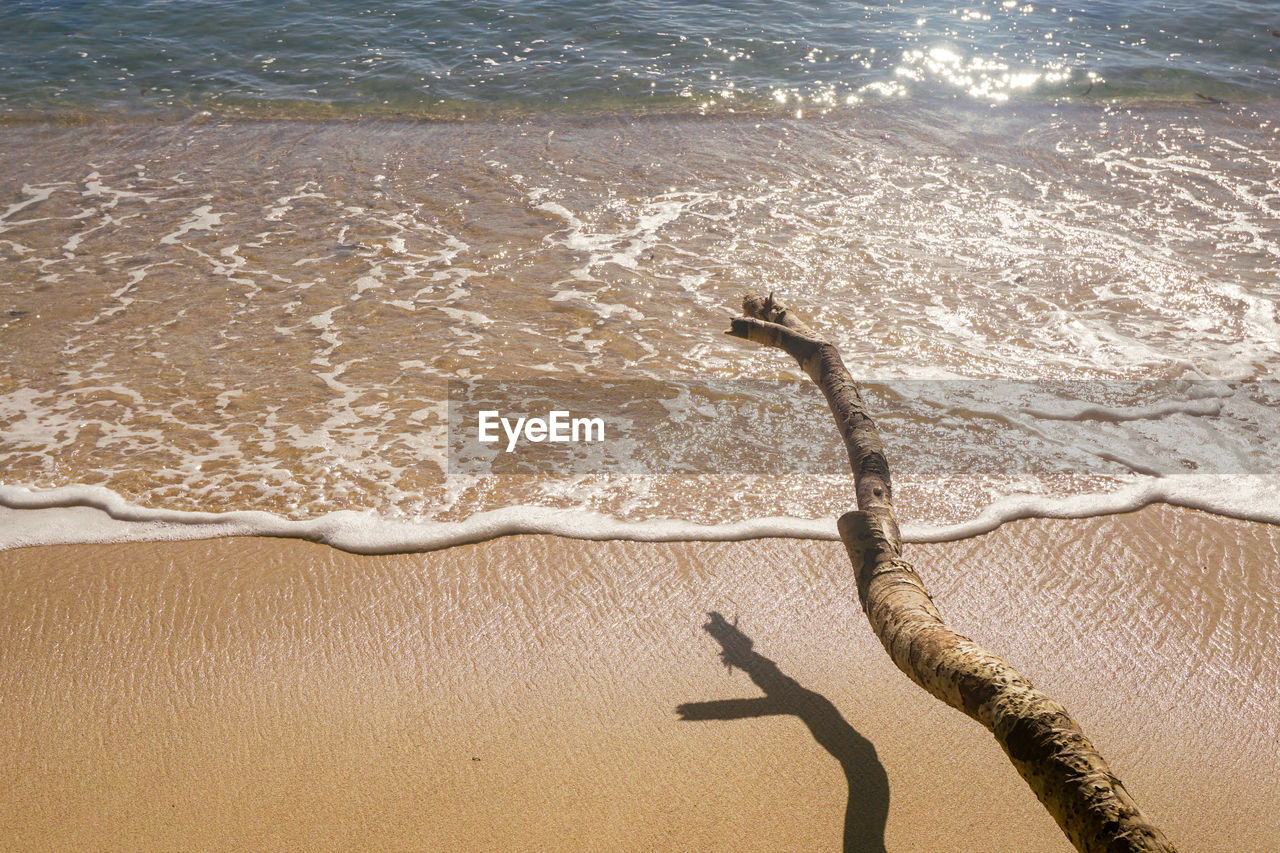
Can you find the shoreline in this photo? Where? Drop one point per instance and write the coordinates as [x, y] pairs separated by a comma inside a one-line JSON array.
[[132, 115], [94, 515], [524, 692]]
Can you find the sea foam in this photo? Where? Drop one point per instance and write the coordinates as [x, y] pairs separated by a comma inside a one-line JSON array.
[[93, 514]]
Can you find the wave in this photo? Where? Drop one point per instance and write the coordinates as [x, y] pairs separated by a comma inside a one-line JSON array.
[[93, 514]]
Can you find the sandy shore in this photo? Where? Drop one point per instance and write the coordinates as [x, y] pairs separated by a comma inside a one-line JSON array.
[[528, 693]]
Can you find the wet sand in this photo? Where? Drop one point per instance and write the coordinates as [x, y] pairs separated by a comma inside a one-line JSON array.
[[528, 693]]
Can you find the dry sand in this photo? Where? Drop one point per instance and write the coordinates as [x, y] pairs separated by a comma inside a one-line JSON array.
[[523, 693]]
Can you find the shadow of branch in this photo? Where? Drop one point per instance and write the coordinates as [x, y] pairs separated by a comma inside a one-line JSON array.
[[868, 803]]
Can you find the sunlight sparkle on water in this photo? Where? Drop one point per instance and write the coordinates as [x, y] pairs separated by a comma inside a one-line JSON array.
[[986, 79]]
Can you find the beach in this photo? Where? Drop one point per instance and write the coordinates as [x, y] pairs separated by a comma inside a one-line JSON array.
[[304, 307], [523, 693]]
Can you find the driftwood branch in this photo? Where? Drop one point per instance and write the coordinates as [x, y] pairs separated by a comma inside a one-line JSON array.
[[1044, 743]]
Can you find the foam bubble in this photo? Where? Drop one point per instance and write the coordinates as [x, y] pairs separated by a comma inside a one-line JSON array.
[[202, 219], [34, 195]]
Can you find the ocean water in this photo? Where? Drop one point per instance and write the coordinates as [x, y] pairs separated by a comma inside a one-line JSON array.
[[250, 253], [456, 58]]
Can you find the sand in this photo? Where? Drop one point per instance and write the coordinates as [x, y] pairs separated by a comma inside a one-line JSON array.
[[524, 693]]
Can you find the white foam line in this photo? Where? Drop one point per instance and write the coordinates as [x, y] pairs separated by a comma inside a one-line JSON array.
[[84, 514], [1217, 495], [93, 514], [1199, 407]]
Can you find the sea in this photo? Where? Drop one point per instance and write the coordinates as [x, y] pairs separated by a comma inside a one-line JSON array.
[[264, 267]]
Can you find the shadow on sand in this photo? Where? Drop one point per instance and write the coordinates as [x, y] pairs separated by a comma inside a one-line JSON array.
[[868, 806]]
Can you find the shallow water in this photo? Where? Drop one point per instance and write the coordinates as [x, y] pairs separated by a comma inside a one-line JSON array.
[[226, 315], [210, 308]]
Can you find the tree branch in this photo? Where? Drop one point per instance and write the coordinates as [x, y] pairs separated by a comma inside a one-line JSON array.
[[1042, 741]]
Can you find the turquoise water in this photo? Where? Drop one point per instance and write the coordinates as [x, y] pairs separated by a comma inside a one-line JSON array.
[[476, 58]]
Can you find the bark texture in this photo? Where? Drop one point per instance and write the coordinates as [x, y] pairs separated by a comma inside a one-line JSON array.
[[1044, 743]]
